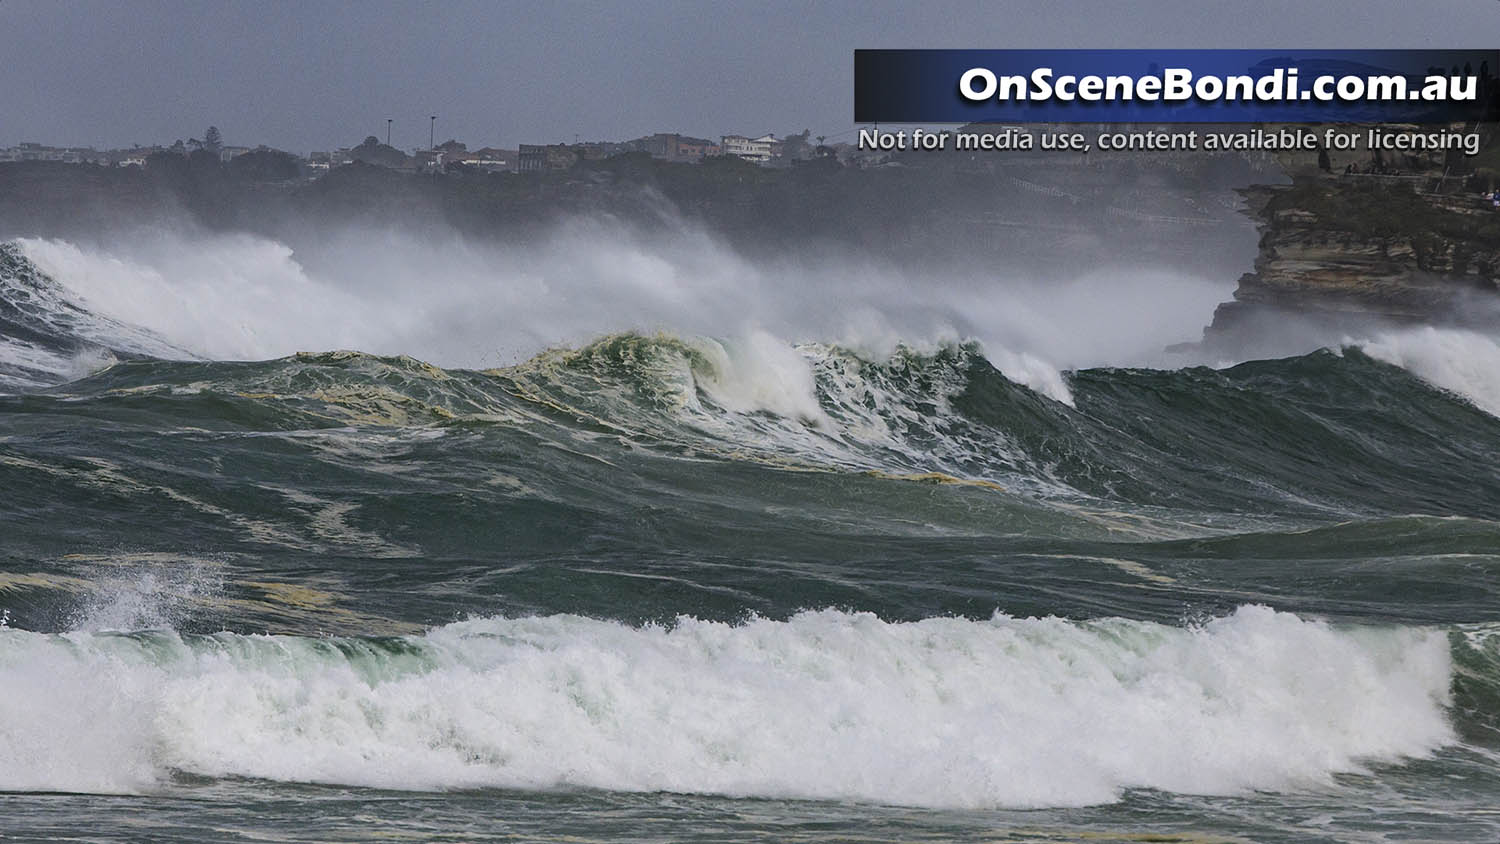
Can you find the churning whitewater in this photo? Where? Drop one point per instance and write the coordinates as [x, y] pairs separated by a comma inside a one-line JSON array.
[[635, 541], [823, 705]]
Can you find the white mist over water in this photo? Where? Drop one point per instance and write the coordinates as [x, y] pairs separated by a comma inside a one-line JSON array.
[[461, 303], [944, 712]]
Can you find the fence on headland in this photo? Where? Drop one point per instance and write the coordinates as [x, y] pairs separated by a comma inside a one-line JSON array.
[[1045, 190], [1436, 185], [1393, 178], [1162, 219]]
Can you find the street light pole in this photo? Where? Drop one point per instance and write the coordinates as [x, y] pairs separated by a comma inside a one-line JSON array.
[[388, 131], [432, 133]]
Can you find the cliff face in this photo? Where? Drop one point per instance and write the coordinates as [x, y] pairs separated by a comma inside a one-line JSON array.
[[1346, 252]]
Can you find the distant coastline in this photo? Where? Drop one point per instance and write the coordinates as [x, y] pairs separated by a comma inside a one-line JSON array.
[[1365, 235]]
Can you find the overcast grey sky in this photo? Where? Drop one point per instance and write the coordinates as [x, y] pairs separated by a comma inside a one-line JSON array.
[[318, 74]]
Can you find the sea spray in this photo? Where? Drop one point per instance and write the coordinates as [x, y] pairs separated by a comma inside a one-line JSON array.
[[456, 302]]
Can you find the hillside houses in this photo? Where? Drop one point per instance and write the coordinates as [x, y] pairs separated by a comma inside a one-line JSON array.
[[765, 150]]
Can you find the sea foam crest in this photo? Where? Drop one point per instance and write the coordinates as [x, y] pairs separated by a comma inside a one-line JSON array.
[[1463, 362], [825, 705], [48, 333]]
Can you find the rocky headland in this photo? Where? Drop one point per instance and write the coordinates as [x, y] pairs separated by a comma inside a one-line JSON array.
[[1349, 251]]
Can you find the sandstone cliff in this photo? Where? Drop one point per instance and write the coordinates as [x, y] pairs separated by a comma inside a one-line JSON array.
[[1353, 250]]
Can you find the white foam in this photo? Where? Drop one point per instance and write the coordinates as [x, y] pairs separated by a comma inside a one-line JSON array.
[[1462, 362], [1032, 372], [765, 398], [760, 373], [225, 297], [85, 336], [827, 705]]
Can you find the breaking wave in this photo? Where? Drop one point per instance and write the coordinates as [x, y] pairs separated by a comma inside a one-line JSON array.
[[758, 490], [948, 712], [1465, 363]]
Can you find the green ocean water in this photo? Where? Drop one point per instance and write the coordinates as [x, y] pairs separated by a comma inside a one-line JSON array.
[[640, 590]]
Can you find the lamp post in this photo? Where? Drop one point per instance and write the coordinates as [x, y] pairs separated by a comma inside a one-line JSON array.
[[432, 133], [388, 131]]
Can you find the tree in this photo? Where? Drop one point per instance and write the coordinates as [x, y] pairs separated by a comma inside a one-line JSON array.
[[168, 163], [795, 145], [264, 165], [203, 163], [211, 140], [372, 151]]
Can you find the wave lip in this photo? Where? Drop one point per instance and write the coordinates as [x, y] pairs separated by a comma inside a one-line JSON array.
[[944, 712], [49, 334], [1465, 363]]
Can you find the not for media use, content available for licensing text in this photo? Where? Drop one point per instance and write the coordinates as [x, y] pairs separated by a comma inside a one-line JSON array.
[[1302, 139]]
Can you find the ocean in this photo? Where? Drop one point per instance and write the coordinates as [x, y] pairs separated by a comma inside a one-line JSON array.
[[279, 562]]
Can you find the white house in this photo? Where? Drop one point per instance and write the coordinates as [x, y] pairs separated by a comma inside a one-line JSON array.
[[760, 149]]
